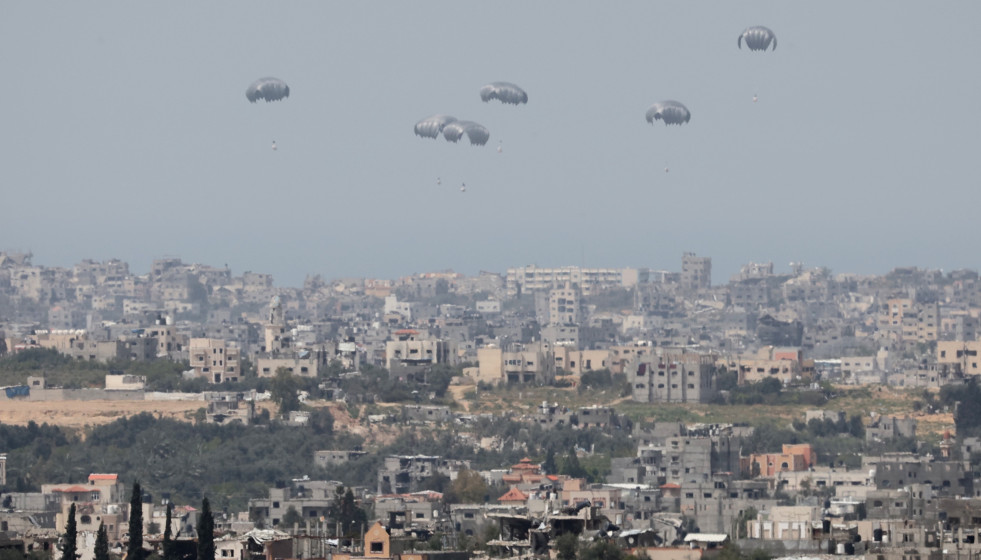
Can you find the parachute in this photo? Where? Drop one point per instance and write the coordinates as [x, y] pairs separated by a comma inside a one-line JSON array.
[[431, 127], [477, 134], [758, 38], [506, 92], [270, 89], [671, 112]]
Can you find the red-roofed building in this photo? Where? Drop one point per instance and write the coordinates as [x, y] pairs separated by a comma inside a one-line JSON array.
[[102, 500], [102, 476], [513, 497], [525, 472]]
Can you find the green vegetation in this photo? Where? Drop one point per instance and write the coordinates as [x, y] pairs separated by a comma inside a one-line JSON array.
[[60, 370]]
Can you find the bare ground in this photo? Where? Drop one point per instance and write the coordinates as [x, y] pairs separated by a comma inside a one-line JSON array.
[[82, 414]]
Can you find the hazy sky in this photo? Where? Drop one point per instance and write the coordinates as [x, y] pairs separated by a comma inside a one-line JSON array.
[[127, 134]]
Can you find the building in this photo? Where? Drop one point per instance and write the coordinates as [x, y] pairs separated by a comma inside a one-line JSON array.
[[216, 360], [401, 474], [799, 457], [696, 272], [532, 363], [959, 357], [528, 279], [673, 377], [409, 350]]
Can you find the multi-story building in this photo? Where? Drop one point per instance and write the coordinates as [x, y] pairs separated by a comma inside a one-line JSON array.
[[216, 360], [309, 498], [401, 474], [410, 350], [679, 377], [959, 357], [696, 272], [527, 279], [533, 363]]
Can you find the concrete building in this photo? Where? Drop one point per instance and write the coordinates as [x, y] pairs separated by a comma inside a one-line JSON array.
[[409, 350], [331, 457], [528, 279], [796, 458], [678, 377], [309, 498], [696, 272], [886, 428], [216, 360], [401, 474], [959, 357], [532, 363]]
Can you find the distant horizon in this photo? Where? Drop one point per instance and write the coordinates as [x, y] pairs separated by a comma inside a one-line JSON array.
[[716, 279]]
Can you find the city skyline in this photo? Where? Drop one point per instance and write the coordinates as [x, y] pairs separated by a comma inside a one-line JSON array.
[[132, 136]]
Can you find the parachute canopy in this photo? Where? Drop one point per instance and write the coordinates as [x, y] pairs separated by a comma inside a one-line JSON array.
[[506, 92], [477, 134], [270, 89], [757, 38], [671, 112], [431, 127]]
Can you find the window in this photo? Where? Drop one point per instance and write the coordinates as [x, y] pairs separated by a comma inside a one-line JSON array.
[[377, 547]]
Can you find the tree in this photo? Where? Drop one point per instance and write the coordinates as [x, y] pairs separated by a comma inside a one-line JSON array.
[[168, 543], [206, 532], [602, 550], [345, 512], [322, 421], [102, 543], [567, 546], [70, 546], [134, 550], [290, 518], [572, 467], [549, 466], [283, 389], [468, 488]]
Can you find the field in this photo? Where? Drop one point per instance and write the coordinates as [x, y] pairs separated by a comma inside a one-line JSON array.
[[861, 400], [82, 414]]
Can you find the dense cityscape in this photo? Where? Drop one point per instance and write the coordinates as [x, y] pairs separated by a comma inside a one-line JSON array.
[[569, 411]]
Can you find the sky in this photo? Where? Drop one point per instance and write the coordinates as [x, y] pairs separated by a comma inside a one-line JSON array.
[[127, 134]]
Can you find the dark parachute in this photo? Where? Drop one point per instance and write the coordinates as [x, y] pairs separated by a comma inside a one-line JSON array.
[[477, 134], [758, 38], [431, 127], [270, 89], [506, 92], [671, 112]]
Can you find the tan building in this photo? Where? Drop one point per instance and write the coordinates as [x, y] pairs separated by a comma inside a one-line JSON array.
[[902, 319], [527, 279], [681, 377], [576, 362], [102, 499], [959, 357], [410, 350], [519, 364], [784, 523], [696, 272], [563, 306], [303, 364], [216, 360]]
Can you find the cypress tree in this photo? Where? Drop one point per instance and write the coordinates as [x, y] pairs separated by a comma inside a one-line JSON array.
[[134, 551], [70, 546], [102, 543], [168, 544], [206, 532]]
